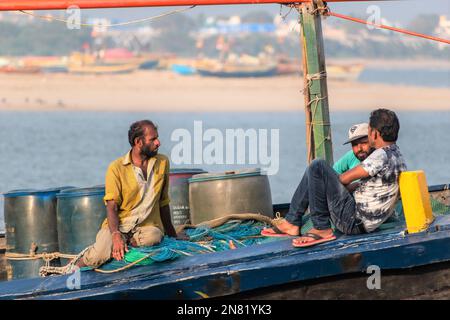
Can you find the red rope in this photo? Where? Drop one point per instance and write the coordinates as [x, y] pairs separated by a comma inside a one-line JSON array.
[[337, 15]]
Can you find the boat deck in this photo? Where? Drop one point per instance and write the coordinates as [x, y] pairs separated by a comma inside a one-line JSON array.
[[244, 269]]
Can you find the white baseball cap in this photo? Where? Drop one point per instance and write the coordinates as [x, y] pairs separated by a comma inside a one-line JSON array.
[[357, 131]]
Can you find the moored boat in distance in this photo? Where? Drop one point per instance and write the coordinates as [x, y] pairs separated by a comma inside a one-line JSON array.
[[103, 69], [88, 64], [19, 69], [242, 67], [184, 67], [344, 72], [149, 64], [47, 64], [287, 66], [121, 56], [335, 71]]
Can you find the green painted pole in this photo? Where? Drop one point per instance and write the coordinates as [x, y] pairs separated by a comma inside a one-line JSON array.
[[316, 92]]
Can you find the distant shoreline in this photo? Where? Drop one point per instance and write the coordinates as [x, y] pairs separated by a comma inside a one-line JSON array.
[[163, 91], [395, 63]]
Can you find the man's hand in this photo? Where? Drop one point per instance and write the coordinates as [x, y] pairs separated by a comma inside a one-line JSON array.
[[167, 221], [119, 246], [352, 186]]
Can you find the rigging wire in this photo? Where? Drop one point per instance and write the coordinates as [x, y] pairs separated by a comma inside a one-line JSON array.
[[108, 25], [382, 26]]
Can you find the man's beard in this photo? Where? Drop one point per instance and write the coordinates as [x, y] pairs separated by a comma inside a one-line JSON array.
[[362, 156], [147, 153]]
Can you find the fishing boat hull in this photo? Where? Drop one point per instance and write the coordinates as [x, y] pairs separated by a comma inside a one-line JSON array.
[[238, 74], [238, 271], [19, 70], [344, 72], [273, 270], [182, 69], [103, 69], [47, 64], [54, 69], [149, 64]]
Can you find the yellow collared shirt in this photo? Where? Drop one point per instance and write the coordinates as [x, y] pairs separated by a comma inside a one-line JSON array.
[[122, 186]]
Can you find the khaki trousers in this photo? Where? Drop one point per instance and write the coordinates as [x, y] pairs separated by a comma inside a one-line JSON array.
[[101, 251]]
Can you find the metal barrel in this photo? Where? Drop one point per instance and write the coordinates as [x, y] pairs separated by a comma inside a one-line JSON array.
[[80, 213], [30, 223], [215, 195], [179, 194]]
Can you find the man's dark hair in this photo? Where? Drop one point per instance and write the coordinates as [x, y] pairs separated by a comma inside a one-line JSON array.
[[386, 122], [137, 130]]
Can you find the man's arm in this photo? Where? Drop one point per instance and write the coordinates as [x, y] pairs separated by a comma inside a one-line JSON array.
[[353, 174], [119, 245], [167, 222]]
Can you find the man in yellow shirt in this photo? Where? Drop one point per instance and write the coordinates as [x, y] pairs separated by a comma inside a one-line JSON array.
[[136, 199]]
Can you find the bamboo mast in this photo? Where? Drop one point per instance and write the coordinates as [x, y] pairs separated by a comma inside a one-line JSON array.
[[318, 130]]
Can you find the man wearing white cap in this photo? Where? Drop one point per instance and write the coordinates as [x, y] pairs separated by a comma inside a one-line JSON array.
[[357, 136], [326, 193]]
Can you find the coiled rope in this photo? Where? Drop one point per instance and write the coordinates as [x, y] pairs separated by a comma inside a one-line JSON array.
[[224, 233]]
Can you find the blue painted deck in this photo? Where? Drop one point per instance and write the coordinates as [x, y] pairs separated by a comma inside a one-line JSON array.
[[225, 273]]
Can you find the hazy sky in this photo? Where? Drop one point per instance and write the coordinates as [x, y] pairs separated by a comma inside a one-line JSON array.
[[401, 10]]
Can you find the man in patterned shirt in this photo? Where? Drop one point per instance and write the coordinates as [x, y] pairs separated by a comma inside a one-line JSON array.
[[327, 194]]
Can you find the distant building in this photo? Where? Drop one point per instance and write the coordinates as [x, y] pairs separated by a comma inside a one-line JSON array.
[[233, 25], [443, 30], [444, 26]]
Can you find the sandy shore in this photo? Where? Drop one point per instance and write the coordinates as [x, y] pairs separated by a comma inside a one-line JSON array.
[[163, 91]]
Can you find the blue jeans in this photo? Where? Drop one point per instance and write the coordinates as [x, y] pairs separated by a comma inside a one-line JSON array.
[[327, 199]]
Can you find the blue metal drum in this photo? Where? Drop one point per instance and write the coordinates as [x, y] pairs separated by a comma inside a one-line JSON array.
[[80, 213], [30, 223]]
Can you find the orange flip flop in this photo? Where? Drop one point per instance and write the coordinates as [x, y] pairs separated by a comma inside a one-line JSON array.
[[316, 240]]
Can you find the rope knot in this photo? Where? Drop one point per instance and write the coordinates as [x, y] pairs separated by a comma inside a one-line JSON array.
[[320, 7]]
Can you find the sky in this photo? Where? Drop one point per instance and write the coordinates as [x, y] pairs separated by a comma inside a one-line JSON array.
[[401, 11]]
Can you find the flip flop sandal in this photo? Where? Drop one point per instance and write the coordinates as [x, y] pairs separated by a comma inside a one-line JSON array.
[[317, 239], [277, 233]]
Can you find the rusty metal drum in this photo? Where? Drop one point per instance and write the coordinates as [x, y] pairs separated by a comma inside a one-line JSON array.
[[214, 195], [179, 194]]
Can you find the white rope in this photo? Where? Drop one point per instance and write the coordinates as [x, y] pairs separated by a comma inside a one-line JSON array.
[[312, 77], [67, 269]]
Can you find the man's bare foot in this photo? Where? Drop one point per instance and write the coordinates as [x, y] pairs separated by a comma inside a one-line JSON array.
[[325, 234], [286, 227]]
